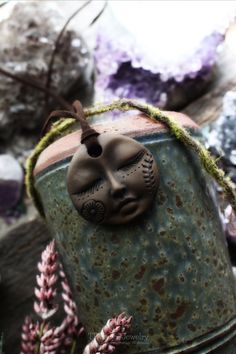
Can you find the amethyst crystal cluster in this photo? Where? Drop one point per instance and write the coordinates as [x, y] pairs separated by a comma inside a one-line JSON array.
[[121, 74], [126, 69]]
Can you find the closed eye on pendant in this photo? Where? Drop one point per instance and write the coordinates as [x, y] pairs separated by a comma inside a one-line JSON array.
[[90, 188], [131, 162]]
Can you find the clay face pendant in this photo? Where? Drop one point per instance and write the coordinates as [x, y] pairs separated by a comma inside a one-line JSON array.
[[116, 183]]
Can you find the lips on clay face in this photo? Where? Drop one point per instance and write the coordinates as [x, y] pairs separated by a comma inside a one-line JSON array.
[[115, 187], [128, 205], [128, 209]]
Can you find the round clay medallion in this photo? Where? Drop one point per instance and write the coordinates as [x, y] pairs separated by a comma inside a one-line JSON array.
[[114, 181]]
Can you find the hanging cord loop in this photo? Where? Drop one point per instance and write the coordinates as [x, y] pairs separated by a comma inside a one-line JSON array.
[[88, 136], [155, 114]]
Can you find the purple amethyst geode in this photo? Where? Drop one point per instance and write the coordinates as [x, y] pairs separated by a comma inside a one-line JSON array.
[[118, 75], [124, 69]]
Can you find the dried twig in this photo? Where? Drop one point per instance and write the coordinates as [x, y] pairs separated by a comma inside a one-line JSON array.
[[98, 15], [56, 47], [3, 3], [33, 83]]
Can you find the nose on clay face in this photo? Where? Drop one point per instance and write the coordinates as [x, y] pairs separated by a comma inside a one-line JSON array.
[[116, 187]]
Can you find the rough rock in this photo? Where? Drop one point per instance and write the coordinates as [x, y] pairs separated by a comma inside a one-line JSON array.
[[27, 41]]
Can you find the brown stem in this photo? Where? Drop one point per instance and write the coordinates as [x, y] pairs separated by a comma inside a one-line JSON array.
[[37, 348]]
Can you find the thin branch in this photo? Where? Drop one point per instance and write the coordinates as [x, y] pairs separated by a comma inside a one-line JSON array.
[[57, 42], [99, 14], [56, 46], [31, 82], [3, 3]]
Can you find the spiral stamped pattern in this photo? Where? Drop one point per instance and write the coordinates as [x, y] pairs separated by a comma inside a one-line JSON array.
[[93, 210]]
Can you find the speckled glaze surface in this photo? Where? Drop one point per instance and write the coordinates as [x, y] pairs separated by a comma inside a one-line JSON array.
[[170, 269]]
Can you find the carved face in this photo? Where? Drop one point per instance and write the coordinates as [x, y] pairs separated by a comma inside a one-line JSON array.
[[116, 186]]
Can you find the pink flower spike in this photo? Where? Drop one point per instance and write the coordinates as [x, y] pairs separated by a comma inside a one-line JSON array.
[[46, 281], [41, 337], [110, 336], [73, 327]]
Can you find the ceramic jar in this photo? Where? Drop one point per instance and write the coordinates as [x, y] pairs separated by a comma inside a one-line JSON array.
[[169, 269]]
